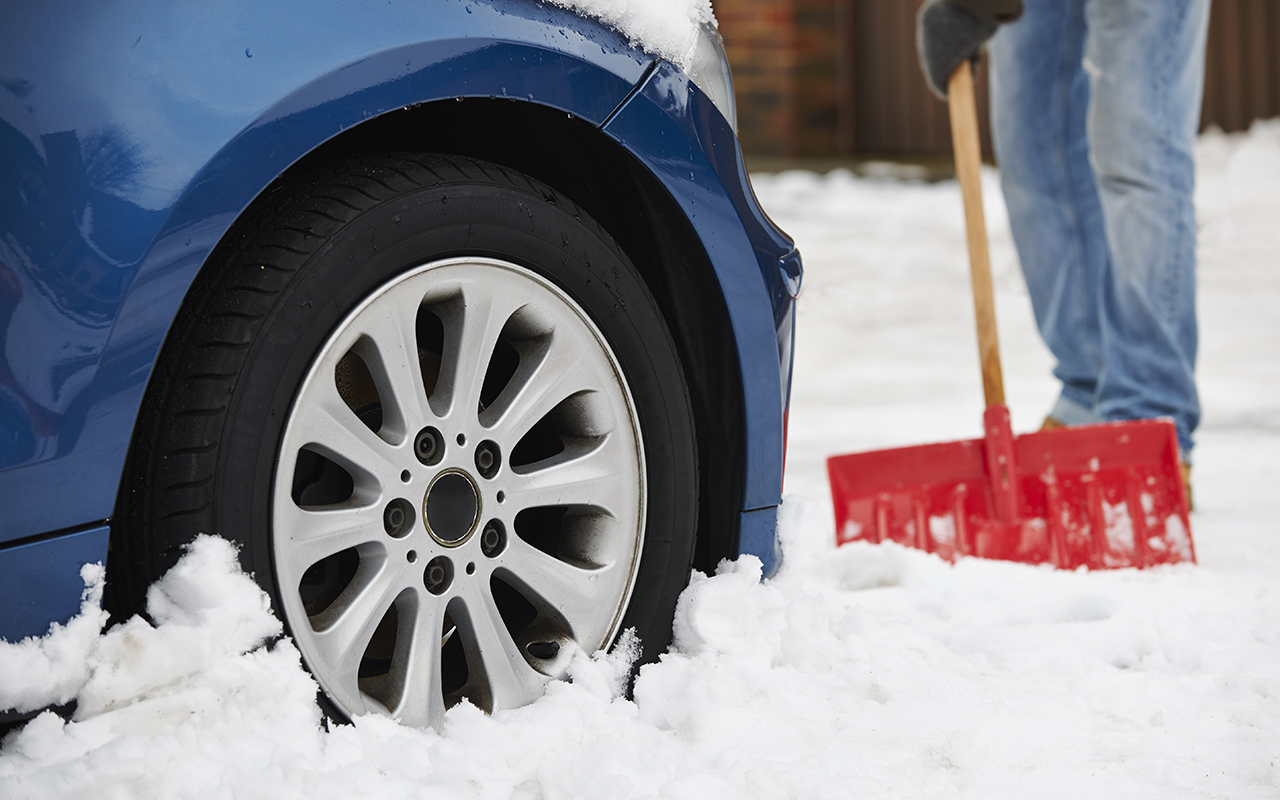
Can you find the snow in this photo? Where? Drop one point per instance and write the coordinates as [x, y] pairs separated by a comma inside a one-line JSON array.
[[665, 28], [51, 670], [868, 670]]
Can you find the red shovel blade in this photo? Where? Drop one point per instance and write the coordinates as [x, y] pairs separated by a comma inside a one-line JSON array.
[[1101, 496]]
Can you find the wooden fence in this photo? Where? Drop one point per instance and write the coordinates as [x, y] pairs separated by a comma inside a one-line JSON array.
[[885, 107], [839, 77], [1242, 64]]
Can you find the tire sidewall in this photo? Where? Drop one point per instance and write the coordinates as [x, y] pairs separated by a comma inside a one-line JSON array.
[[481, 219]]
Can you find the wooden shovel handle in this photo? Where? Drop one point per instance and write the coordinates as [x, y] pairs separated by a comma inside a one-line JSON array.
[[964, 140]]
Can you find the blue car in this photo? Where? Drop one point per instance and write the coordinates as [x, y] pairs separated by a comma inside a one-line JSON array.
[[459, 317]]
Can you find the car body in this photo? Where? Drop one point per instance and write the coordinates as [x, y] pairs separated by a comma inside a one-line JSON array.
[[134, 136]]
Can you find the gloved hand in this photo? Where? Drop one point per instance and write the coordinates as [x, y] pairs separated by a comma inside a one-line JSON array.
[[949, 32]]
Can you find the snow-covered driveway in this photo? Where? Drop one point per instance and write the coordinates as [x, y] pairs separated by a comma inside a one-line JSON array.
[[871, 671]]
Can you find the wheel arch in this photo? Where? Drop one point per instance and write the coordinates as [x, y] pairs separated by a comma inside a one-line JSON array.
[[204, 155], [574, 157]]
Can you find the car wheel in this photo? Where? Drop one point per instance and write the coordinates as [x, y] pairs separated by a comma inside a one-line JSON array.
[[441, 414]]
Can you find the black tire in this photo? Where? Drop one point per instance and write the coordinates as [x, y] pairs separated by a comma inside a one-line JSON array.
[[226, 390]]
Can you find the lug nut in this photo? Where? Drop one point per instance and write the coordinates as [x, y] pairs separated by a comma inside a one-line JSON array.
[[428, 446], [397, 518], [493, 539], [438, 575], [488, 459]]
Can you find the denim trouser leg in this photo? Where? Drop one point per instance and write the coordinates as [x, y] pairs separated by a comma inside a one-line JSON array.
[[1094, 108]]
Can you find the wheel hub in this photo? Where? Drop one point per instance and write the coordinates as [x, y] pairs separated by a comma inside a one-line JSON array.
[[451, 507]]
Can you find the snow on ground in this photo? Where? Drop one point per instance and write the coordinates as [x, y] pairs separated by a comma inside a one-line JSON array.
[[869, 671]]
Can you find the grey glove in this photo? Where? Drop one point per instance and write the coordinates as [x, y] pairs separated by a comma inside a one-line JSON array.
[[949, 32]]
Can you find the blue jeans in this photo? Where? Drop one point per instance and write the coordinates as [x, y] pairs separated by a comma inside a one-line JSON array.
[[1095, 105]]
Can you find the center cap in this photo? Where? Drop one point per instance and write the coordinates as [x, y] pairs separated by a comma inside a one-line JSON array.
[[451, 508]]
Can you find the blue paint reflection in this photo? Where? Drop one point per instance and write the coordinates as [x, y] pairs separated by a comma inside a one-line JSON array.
[[66, 259]]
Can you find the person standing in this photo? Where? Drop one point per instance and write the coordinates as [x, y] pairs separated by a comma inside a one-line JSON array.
[[1094, 109]]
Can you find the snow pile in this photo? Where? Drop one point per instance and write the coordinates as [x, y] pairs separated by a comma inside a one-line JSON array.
[[35, 673], [206, 610], [864, 671], [164, 710], [665, 28]]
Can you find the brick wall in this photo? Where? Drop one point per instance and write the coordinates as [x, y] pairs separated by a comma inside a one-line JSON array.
[[816, 75], [760, 40], [784, 58]]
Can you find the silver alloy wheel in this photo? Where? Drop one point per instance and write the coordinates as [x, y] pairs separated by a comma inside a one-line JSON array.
[[479, 511]]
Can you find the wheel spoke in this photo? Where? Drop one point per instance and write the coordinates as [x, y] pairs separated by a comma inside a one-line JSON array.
[[536, 391], [573, 591], [332, 429], [346, 626], [392, 358], [306, 536], [418, 664], [512, 681], [471, 332], [598, 478]]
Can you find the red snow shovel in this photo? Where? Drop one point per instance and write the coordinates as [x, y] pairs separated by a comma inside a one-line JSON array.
[[1100, 496]]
